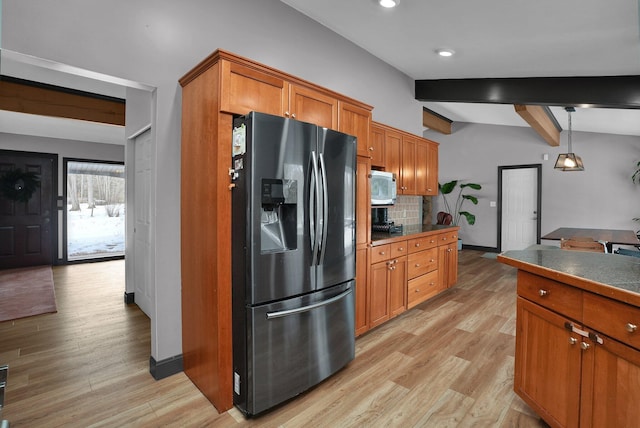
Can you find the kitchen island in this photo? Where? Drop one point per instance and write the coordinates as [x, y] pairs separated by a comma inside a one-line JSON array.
[[577, 358]]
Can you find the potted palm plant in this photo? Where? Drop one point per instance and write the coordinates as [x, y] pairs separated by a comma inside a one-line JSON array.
[[455, 212]]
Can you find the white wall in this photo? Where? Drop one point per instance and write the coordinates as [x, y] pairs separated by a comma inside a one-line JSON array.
[[157, 41], [602, 196]]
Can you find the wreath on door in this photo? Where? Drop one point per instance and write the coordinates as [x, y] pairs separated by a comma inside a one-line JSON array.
[[18, 185]]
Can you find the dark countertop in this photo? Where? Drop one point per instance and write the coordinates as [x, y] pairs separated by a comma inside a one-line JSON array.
[[611, 275], [409, 231]]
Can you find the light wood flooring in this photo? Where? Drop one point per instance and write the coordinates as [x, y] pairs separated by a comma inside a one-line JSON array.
[[445, 363]]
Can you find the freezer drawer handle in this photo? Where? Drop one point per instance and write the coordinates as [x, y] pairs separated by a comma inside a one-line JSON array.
[[280, 314]]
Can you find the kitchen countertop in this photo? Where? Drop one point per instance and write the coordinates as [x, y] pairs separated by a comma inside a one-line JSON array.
[[409, 231], [610, 275]]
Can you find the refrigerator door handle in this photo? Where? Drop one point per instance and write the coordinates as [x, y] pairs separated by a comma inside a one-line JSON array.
[[314, 208], [325, 208], [280, 314]]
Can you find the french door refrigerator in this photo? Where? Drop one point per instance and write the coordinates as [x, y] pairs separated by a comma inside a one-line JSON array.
[[293, 220]]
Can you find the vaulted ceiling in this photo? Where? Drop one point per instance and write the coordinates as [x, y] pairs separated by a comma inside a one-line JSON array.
[[498, 39]]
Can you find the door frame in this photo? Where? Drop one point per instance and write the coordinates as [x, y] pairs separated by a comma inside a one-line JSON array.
[[65, 256], [538, 168], [55, 199]]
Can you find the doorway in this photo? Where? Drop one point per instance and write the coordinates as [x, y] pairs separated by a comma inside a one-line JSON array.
[[94, 215], [519, 199], [27, 210]]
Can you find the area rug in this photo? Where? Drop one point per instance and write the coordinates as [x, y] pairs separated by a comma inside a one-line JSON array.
[[25, 292], [490, 255]]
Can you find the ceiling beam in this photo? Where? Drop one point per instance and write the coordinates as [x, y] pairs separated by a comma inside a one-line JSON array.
[[542, 120], [25, 96], [435, 121], [592, 91]]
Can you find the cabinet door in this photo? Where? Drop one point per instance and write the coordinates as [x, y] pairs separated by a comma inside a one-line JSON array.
[[610, 385], [547, 364], [376, 146], [245, 89], [378, 294], [426, 167], [448, 264], [363, 200], [311, 106], [356, 121], [432, 169], [398, 286], [408, 170], [393, 154], [362, 275]]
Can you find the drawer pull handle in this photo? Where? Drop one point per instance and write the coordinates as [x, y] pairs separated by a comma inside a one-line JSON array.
[[584, 346], [431, 261], [417, 264], [543, 293], [432, 241], [417, 290], [573, 341], [401, 249], [631, 328], [417, 244], [382, 253]]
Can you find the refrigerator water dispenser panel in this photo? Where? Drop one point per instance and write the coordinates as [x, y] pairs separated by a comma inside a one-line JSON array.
[[278, 215]]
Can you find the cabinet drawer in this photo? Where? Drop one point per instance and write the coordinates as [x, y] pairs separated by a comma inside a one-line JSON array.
[[422, 243], [380, 253], [423, 262], [556, 296], [398, 249], [615, 319], [447, 237], [422, 288]]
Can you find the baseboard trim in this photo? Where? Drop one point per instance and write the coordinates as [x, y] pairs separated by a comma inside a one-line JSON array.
[[479, 248], [129, 298], [165, 368]]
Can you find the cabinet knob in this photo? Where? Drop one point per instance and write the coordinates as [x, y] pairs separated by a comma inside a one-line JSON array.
[[401, 249], [543, 293], [417, 290], [382, 253], [417, 244], [584, 346], [449, 250], [432, 241], [370, 149], [432, 260], [631, 328], [293, 115], [417, 264], [286, 113], [573, 341]]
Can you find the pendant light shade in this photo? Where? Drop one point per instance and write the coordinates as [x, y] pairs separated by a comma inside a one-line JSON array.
[[569, 161]]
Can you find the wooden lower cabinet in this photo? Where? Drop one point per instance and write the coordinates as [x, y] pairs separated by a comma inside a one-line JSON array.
[[401, 275], [570, 373], [448, 264]]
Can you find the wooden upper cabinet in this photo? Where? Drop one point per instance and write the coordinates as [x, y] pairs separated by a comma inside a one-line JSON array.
[[426, 167], [393, 154], [356, 121], [245, 89], [408, 170], [312, 106], [377, 147]]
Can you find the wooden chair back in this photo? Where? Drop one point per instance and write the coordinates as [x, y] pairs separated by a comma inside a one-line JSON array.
[[582, 244]]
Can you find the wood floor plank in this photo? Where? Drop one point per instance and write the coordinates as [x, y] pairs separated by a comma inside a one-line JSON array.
[[447, 362]]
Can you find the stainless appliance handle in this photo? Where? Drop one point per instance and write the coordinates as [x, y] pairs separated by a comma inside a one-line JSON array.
[[314, 215], [325, 209], [280, 314]]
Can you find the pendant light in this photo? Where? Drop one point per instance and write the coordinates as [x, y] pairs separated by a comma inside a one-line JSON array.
[[569, 161]]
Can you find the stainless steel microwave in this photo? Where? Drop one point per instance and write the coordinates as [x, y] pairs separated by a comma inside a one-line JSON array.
[[383, 189]]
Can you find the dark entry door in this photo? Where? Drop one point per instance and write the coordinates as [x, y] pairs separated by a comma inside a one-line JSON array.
[[27, 228]]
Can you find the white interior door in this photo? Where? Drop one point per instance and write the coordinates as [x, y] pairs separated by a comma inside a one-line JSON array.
[[519, 208], [143, 248]]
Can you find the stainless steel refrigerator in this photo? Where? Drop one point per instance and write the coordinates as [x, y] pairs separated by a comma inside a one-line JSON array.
[[293, 257]]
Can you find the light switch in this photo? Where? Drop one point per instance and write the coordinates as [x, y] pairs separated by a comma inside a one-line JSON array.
[[492, 204]]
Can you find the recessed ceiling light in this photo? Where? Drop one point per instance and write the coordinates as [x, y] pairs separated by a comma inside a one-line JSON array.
[[389, 3], [445, 52]]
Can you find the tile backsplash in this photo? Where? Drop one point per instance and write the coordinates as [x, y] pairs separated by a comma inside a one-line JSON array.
[[407, 210]]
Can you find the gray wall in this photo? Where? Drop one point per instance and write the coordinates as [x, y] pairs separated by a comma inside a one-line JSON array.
[[602, 196], [157, 41]]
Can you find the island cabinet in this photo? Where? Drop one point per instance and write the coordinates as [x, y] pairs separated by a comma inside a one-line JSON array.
[[577, 361], [213, 92], [413, 159]]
